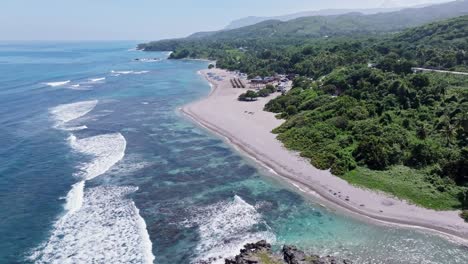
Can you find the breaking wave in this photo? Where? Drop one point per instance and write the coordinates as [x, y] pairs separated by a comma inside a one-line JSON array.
[[106, 151], [68, 112], [100, 225], [106, 229], [97, 79], [56, 84], [118, 73], [225, 227]]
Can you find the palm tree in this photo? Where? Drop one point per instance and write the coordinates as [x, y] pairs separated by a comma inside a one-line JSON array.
[[422, 132], [449, 132], [463, 121]]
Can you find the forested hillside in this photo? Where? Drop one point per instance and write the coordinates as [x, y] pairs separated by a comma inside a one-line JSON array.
[[252, 20], [350, 24], [440, 45], [358, 109], [385, 127], [305, 28]]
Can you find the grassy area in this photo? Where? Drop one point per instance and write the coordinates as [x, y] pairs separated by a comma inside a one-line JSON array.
[[266, 258], [409, 184]]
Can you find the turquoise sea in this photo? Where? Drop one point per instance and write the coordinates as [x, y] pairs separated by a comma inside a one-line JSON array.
[[98, 166]]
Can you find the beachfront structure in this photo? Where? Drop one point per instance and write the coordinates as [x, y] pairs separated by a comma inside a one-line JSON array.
[[269, 79], [266, 80], [281, 87], [257, 79]]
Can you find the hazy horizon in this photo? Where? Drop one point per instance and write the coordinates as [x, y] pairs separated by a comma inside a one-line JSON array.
[[103, 20]]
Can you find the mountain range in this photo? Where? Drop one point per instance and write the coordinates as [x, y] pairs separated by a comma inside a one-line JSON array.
[[349, 24]]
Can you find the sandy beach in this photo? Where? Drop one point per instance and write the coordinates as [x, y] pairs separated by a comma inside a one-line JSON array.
[[248, 128]]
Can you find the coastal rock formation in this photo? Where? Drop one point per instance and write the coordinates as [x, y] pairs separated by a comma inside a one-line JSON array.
[[260, 253]]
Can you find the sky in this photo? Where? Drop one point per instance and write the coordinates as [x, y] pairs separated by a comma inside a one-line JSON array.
[[149, 19]]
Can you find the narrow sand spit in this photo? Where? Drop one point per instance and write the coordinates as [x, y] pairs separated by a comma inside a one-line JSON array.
[[247, 127]]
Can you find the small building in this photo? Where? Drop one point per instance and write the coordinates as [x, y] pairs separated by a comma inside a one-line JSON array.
[[257, 79], [268, 79], [281, 87]]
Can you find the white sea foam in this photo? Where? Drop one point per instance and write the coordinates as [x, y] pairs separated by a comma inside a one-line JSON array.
[[140, 72], [97, 79], [75, 197], [106, 229], [106, 151], [148, 59], [225, 227], [118, 73], [101, 225], [80, 87], [68, 112], [77, 128], [55, 84], [121, 72]]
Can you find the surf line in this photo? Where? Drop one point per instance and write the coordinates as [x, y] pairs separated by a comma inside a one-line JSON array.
[[105, 151]]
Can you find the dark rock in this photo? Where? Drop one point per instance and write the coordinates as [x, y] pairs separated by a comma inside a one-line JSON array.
[[292, 255], [255, 253], [247, 254]]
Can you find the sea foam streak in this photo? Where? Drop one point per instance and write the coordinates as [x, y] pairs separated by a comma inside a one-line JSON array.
[[97, 79], [106, 151], [118, 73], [226, 227], [107, 229], [101, 225], [68, 112], [55, 84], [75, 197]]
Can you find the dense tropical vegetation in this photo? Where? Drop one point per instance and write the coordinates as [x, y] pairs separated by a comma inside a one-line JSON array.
[[406, 125], [439, 45], [359, 109]]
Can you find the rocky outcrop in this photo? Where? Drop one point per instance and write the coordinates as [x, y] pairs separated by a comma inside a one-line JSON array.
[[292, 255], [260, 253], [255, 253]]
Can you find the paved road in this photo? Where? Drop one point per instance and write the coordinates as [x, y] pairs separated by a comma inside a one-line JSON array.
[[431, 70]]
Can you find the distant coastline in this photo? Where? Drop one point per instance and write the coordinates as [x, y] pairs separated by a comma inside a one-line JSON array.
[[251, 136]]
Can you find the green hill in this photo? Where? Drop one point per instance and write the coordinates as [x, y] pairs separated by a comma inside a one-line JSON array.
[[352, 24], [449, 33]]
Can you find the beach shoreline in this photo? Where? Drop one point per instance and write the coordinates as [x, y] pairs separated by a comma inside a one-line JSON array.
[[250, 134]]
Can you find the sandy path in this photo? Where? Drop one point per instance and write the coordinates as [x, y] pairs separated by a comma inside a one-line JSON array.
[[223, 114]]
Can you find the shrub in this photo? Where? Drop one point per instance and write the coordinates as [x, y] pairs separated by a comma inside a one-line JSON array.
[[423, 153], [248, 96], [374, 153], [464, 215], [344, 163], [419, 81], [291, 110], [270, 88], [264, 92], [340, 122]]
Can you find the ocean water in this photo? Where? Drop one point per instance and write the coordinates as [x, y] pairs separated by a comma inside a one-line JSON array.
[[98, 166]]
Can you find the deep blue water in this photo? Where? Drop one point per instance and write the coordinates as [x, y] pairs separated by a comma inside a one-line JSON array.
[[139, 159]]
